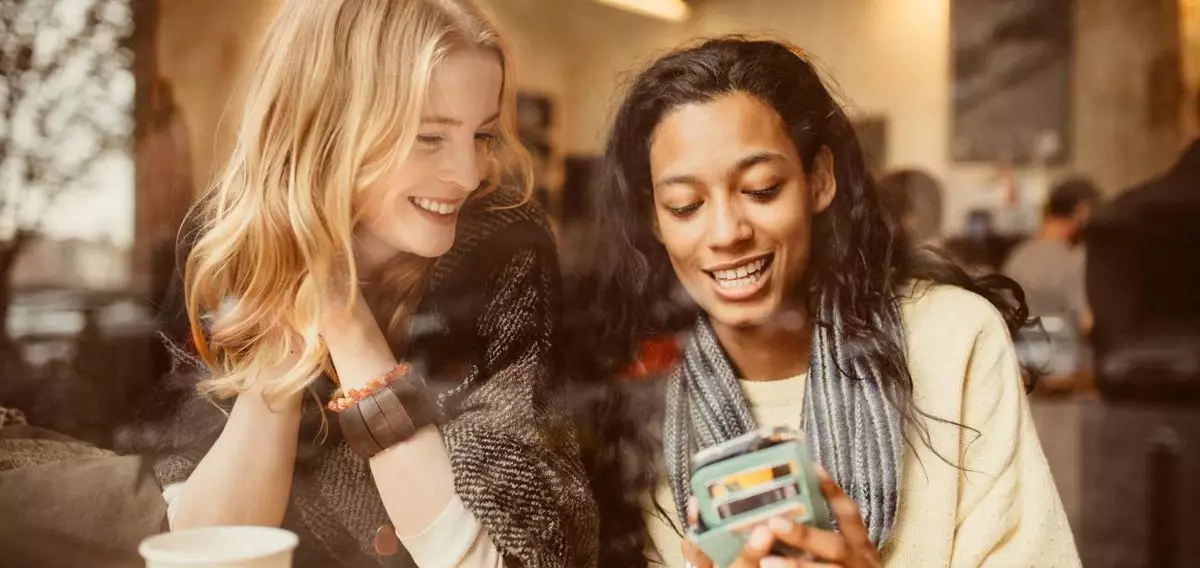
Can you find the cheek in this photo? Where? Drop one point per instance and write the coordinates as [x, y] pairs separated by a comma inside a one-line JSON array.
[[785, 221], [397, 184], [788, 228], [680, 239]]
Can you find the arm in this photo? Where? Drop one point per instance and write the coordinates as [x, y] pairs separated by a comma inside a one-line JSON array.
[[1009, 512], [504, 449], [414, 478], [257, 448], [1078, 296]]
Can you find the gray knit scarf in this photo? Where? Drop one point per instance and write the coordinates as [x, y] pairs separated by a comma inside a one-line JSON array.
[[852, 429]]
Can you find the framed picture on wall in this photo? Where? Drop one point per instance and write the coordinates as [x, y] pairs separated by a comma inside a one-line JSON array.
[[1011, 80]]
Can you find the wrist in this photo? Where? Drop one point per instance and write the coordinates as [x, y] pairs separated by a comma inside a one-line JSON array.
[[339, 323], [359, 354]]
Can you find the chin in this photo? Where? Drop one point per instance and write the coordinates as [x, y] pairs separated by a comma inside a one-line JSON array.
[[431, 249], [739, 316], [423, 244]]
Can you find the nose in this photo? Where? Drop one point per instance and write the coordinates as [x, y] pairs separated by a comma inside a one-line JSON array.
[[463, 167], [728, 224]]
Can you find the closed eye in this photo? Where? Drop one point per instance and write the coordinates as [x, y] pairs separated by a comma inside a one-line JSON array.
[[684, 211], [430, 140], [765, 193]]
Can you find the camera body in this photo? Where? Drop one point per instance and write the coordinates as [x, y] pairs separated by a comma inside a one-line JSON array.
[[747, 480]]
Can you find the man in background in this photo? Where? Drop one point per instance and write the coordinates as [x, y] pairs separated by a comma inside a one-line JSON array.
[[1143, 278], [1050, 266]]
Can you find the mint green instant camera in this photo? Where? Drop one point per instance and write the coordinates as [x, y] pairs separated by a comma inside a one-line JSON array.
[[746, 481]]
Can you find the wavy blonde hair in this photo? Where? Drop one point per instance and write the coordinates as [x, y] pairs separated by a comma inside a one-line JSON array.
[[334, 102]]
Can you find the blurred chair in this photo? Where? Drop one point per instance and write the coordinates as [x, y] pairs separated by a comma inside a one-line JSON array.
[[1054, 349]]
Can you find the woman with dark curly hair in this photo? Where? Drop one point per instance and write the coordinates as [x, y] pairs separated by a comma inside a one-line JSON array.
[[733, 181]]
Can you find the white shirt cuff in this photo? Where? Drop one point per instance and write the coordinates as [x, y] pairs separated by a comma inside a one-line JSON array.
[[454, 539]]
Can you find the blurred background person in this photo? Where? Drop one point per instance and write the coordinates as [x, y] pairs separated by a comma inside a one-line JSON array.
[[915, 199], [1143, 275], [1050, 265]]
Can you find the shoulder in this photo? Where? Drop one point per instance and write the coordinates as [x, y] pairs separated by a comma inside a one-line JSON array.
[[498, 211], [493, 229], [1125, 208], [935, 308], [949, 330]]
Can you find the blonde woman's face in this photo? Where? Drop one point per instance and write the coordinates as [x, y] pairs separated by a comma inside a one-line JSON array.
[[414, 207]]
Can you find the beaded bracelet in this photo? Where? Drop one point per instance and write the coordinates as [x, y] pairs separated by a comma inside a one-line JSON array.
[[353, 396]]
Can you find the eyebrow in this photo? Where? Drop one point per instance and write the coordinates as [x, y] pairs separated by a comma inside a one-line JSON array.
[[742, 165], [454, 121]]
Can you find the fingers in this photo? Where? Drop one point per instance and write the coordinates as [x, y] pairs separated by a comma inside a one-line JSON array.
[[780, 562], [692, 553], [822, 544], [844, 510], [694, 556], [757, 547]]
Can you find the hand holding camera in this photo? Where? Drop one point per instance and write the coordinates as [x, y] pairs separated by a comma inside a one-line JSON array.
[[761, 501]]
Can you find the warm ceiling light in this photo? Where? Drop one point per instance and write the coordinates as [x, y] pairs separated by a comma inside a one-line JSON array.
[[671, 10]]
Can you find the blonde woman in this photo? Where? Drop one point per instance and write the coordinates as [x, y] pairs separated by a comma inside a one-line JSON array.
[[371, 226]]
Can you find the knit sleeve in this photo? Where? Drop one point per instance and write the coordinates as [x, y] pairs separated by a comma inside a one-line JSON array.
[[514, 454], [1009, 512]]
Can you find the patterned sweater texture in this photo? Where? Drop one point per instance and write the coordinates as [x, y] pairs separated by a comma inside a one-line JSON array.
[[482, 338]]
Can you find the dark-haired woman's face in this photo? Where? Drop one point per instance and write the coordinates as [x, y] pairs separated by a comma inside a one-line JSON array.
[[734, 206]]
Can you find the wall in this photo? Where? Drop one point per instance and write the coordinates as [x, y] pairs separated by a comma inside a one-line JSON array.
[[1190, 25], [204, 49], [1117, 141], [892, 58], [912, 95], [889, 57]]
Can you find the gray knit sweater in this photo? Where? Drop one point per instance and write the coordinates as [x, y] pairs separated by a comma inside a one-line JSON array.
[[483, 339]]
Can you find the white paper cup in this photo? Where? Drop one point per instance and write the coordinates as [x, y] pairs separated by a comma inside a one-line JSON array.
[[229, 547]]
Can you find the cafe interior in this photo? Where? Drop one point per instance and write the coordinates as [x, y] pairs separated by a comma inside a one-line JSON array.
[[978, 115]]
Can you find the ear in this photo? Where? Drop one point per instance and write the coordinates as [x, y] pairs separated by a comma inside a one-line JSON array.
[[823, 180]]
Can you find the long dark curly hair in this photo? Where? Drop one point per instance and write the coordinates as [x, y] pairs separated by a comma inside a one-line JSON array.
[[625, 291]]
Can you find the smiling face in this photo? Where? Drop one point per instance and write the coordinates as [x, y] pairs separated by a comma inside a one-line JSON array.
[[733, 206], [414, 206]]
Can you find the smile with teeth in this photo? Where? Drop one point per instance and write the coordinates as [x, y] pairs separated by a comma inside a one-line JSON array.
[[741, 276], [435, 206]]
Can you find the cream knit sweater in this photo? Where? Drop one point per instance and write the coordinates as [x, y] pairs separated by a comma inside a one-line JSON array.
[[1001, 508]]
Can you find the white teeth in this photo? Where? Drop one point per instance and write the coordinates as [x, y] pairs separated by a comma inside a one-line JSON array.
[[739, 282], [439, 207], [748, 273]]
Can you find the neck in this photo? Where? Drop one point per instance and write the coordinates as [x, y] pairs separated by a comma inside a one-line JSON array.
[[371, 254], [767, 352], [1057, 230]]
